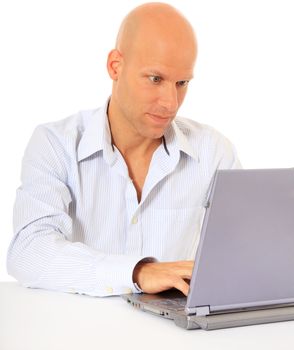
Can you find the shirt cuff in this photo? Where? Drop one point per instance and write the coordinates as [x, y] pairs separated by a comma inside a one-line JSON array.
[[114, 275]]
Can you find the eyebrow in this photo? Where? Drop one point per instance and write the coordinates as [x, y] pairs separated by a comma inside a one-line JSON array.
[[156, 72]]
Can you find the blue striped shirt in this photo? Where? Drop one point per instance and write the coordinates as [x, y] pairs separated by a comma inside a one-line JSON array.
[[78, 226]]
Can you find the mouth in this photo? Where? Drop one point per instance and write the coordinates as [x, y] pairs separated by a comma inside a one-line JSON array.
[[159, 120]]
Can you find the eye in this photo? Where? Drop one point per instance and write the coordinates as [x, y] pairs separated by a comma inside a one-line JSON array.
[[182, 83], [155, 79]]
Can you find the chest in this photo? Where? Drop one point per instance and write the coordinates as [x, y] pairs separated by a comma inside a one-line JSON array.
[[99, 188], [138, 170], [107, 215]]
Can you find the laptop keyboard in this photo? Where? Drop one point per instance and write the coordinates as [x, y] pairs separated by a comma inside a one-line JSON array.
[[174, 304]]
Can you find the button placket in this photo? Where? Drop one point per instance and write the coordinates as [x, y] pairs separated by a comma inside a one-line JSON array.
[[134, 235], [134, 220]]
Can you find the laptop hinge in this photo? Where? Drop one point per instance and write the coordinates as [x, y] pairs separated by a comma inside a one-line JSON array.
[[199, 311]]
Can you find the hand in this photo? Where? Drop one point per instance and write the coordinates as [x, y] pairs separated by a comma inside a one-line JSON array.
[[157, 277]]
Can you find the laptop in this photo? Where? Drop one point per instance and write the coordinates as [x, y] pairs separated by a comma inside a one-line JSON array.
[[243, 271]]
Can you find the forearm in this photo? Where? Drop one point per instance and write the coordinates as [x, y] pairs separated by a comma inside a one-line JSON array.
[[42, 254], [45, 259]]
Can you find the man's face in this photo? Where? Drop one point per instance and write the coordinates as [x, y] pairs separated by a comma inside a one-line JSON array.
[[152, 85]]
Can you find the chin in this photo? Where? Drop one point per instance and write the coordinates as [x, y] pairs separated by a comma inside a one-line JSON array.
[[155, 134], [152, 131]]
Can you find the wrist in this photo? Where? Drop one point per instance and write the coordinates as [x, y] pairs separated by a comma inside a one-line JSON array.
[[137, 270]]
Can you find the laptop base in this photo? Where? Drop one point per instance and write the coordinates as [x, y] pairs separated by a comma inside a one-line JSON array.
[[212, 321], [235, 319]]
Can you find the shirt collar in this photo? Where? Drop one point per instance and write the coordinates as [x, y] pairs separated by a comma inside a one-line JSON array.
[[97, 137], [95, 132], [176, 139]]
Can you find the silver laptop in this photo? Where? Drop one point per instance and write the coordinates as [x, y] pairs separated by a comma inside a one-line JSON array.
[[243, 272]]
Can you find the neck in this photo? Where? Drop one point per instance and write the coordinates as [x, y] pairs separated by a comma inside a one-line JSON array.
[[126, 138]]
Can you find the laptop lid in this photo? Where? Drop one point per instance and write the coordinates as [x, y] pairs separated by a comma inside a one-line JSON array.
[[245, 256]]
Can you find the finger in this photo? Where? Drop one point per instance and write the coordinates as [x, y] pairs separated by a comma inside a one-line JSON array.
[[181, 285], [186, 277]]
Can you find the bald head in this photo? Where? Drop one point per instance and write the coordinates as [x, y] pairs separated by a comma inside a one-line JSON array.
[[151, 67], [153, 26]]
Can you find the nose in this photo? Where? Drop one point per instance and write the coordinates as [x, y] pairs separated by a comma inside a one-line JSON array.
[[169, 98]]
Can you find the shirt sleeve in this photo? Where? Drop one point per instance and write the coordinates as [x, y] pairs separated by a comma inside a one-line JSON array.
[[41, 254]]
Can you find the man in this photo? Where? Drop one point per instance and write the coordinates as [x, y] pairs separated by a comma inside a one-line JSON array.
[[111, 200]]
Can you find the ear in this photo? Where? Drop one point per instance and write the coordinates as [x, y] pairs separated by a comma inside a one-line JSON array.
[[114, 62]]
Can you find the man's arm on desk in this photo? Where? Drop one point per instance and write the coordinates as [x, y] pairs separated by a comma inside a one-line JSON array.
[[42, 254]]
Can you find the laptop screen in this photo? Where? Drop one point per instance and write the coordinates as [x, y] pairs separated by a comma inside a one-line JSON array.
[[245, 256]]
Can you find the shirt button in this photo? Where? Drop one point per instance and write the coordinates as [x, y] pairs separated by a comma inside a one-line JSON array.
[[134, 220], [109, 290]]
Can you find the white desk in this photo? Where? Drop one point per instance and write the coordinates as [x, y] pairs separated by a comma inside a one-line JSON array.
[[40, 320]]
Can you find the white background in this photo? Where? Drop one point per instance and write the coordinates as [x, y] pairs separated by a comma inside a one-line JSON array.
[[52, 64]]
